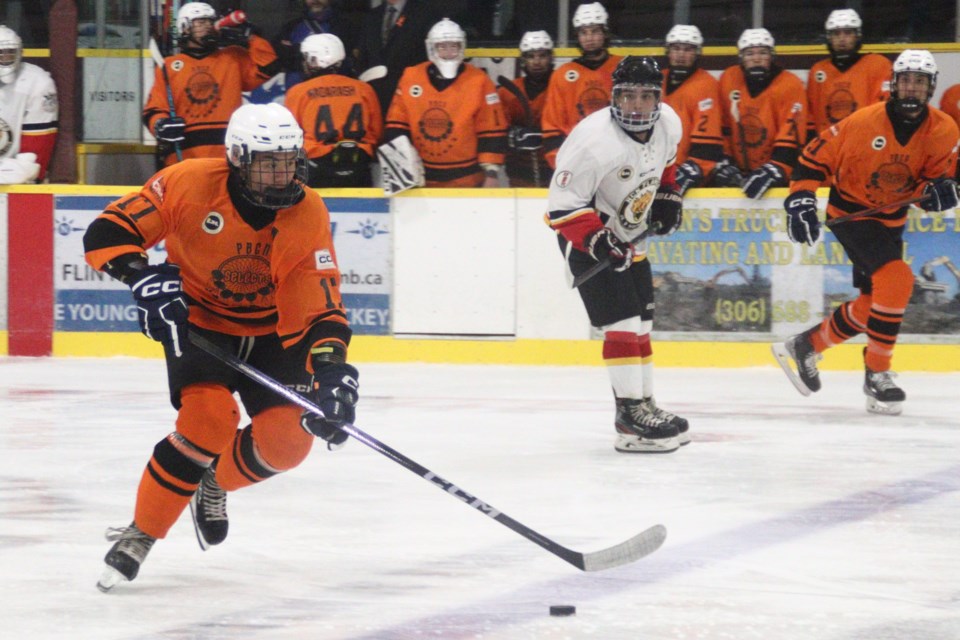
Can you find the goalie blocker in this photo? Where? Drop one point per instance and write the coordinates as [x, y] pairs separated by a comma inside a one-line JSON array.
[[400, 165]]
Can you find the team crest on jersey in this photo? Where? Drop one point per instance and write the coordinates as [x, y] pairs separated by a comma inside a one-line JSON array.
[[157, 187], [563, 179], [593, 99], [753, 131], [176, 65], [878, 143], [571, 75], [625, 173], [633, 210], [820, 76], [203, 91], [416, 91], [841, 104], [245, 277], [435, 124], [889, 182], [212, 224], [6, 137]]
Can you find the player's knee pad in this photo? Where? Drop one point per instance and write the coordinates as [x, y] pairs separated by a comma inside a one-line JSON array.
[[208, 416], [281, 441], [893, 284]]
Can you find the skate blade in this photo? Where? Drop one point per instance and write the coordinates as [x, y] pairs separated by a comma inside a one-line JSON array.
[[204, 545], [109, 579], [634, 444], [683, 439], [783, 359], [884, 408]]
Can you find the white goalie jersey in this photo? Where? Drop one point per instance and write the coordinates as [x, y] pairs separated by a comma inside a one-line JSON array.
[[601, 167], [29, 104]]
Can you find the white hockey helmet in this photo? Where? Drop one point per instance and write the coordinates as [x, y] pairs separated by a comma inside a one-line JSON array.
[[913, 61], [266, 128], [755, 38], [843, 19], [322, 51], [588, 14], [446, 31], [536, 41], [685, 34], [11, 52], [193, 11]]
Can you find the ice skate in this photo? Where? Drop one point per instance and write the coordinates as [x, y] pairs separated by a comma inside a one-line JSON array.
[[639, 430], [803, 373], [125, 556], [883, 394], [208, 507], [683, 427]]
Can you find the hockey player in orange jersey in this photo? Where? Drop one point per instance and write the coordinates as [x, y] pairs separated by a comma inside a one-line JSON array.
[[950, 102], [451, 112], [250, 267], [204, 83], [340, 116], [581, 86], [848, 80], [880, 155], [526, 166], [695, 95], [764, 118]]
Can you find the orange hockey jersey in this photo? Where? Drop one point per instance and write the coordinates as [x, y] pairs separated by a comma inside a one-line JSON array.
[[520, 164], [331, 108], [697, 101], [575, 91], [950, 103], [238, 280], [832, 94], [206, 91], [871, 166], [453, 130], [770, 127]]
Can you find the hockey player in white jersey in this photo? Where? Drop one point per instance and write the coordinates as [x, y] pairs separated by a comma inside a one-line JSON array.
[[28, 114], [615, 180]]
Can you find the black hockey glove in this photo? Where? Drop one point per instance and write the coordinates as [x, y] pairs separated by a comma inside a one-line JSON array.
[[170, 129], [235, 36], [727, 174], [759, 180], [603, 244], [689, 175], [525, 138], [940, 195], [161, 306], [335, 392], [803, 225], [666, 212]]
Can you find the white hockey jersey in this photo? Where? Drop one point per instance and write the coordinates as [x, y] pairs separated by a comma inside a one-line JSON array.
[[28, 104], [601, 168]]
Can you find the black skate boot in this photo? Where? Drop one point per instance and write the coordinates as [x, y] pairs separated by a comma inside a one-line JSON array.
[[883, 394], [683, 427], [799, 348], [208, 507], [125, 556], [639, 430]]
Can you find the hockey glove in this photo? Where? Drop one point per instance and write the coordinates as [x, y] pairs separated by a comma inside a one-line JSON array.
[[803, 225], [235, 36], [689, 175], [19, 170], [525, 138], [759, 180], [666, 212], [939, 195], [335, 392], [727, 174], [603, 244], [161, 306], [170, 129]]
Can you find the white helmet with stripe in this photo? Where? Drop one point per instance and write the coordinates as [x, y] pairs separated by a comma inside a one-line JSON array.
[[193, 11], [843, 19], [755, 38], [685, 34], [589, 14], [536, 41]]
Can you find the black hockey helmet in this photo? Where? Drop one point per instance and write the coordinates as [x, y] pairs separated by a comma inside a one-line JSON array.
[[636, 74]]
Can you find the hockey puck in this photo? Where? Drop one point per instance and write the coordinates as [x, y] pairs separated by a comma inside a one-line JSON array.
[[562, 610]]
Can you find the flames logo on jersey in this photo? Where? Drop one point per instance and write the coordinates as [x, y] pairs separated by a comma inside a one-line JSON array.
[[6, 137], [633, 210], [203, 91], [244, 278], [841, 104], [593, 99], [890, 182], [436, 124]]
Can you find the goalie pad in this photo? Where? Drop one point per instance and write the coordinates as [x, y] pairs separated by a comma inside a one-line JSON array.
[[401, 166]]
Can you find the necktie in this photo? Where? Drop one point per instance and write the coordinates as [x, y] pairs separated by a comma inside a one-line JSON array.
[[388, 21]]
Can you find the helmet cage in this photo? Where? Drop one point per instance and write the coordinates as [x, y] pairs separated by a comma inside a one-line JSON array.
[[446, 31], [196, 11], [634, 121], [11, 53]]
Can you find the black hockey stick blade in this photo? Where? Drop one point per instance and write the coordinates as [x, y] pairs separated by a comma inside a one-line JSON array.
[[626, 552], [605, 263]]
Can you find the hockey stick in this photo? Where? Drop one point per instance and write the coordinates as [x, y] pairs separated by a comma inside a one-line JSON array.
[[373, 73], [832, 222], [603, 264], [626, 552], [158, 60], [508, 84]]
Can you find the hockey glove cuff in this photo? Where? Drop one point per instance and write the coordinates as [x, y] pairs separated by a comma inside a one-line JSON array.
[[666, 212], [689, 175], [161, 305], [170, 129], [939, 195], [525, 138], [803, 225], [762, 179], [603, 244]]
